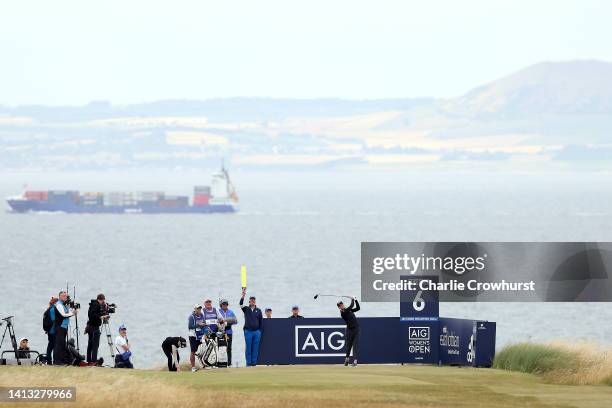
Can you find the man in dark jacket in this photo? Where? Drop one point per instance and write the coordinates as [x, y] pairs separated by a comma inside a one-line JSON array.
[[253, 324], [96, 314], [352, 329], [170, 347]]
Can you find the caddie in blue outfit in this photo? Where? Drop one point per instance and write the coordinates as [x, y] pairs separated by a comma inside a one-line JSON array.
[[196, 325]]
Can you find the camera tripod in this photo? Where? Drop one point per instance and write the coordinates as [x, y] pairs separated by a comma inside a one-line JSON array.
[[109, 337], [11, 331]]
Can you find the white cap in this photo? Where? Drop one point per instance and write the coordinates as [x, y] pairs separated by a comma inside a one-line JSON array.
[[197, 306]]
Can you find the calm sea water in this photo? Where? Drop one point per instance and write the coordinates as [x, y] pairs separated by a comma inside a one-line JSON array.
[[299, 234]]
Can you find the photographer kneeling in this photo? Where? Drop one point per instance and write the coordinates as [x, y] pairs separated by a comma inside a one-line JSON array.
[[73, 355], [62, 318], [122, 359], [97, 313], [24, 348]]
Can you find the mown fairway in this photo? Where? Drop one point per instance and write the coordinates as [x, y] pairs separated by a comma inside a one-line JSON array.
[[304, 386]]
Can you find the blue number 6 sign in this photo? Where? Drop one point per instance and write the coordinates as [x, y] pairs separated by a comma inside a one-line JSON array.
[[417, 303]]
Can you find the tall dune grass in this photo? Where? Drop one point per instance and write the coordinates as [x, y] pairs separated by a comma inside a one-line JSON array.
[[98, 388], [559, 363]]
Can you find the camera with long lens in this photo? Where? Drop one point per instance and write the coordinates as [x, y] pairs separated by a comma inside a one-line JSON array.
[[111, 308], [72, 304]]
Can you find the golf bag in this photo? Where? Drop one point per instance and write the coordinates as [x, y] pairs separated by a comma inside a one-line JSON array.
[[212, 352], [221, 349], [206, 356]]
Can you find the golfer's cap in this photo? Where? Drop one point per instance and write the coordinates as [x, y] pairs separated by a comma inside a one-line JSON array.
[[122, 327], [208, 301], [268, 309], [197, 306], [223, 301], [339, 303], [295, 307], [252, 297], [22, 339]]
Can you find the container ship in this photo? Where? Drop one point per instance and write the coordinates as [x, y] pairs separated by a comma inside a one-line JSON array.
[[219, 197]]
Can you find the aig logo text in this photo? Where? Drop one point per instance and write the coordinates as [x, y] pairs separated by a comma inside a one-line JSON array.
[[419, 340], [319, 341]]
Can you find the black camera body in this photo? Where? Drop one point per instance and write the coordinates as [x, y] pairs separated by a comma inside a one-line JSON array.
[[111, 308], [72, 304]]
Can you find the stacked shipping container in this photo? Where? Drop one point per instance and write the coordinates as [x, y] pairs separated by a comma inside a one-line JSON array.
[[174, 201], [129, 199], [92, 199], [113, 199], [63, 196], [36, 195], [201, 195]]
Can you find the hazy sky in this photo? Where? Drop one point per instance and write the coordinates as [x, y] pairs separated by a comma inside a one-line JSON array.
[[72, 52]]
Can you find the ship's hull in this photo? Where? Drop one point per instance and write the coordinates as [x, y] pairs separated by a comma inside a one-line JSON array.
[[24, 206]]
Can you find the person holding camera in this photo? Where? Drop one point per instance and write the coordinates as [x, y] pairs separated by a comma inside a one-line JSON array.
[[97, 313], [63, 313]]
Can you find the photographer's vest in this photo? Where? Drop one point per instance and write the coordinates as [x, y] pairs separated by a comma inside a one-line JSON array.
[[211, 318], [61, 321]]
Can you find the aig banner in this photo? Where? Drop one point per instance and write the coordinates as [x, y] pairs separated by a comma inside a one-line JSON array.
[[384, 340], [322, 341], [488, 271]]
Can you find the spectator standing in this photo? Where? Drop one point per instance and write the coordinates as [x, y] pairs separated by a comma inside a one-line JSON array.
[[295, 313], [253, 325], [228, 317]]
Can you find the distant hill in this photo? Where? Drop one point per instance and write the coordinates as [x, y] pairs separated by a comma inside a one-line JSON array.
[[552, 111], [572, 87], [218, 110]]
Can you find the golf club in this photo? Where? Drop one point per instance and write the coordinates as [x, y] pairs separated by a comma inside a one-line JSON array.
[[337, 296]]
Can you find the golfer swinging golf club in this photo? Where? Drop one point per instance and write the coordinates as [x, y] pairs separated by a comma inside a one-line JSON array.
[[352, 329]]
